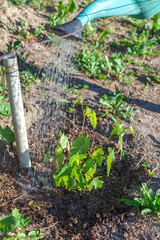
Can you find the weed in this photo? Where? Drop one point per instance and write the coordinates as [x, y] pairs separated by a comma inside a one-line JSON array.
[[74, 89], [140, 45], [27, 78], [90, 29], [91, 62], [114, 106], [14, 46], [17, 221], [115, 65], [24, 31], [94, 63], [152, 75], [149, 201], [147, 166], [63, 12], [155, 24], [37, 31], [5, 110]]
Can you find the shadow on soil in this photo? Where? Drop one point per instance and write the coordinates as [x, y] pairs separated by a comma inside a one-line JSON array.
[[101, 91]]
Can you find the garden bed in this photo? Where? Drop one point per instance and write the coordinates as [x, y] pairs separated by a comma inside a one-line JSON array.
[[82, 214]]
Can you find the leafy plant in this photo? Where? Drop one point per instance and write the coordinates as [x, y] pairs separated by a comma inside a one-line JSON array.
[[94, 63], [63, 12], [5, 110], [152, 74], [155, 24], [149, 201], [115, 64], [147, 166], [7, 134], [91, 62], [114, 106], [77, 164], [15, 46], [27, 78], [140, 45], [17, 221], [90, 29]]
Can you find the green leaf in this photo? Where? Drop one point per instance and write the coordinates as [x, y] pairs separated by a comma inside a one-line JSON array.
[[93, 119], [103, 34], [146, 211], [7, 134], [16, 214], [109, 162], [96, 183], [79, 146], [62, 100], [5, 109], [65, 170], [8, 224], [120, 142], [158, 193], [131, 129], [71, 183], [77, 173], [89, 174], [76, 101], [73, 6], [98, 156], [25, 221], [132, 203], [88, 164], [59, 156], [21, 236], [33, 234], [61, 181], [64, 143], [117, 128], [88, 112], [1, 98]]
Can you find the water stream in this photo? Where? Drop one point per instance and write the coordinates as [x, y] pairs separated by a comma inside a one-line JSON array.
[[56, 63]]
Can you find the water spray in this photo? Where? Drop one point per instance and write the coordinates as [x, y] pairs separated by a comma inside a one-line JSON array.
[[15, 97]]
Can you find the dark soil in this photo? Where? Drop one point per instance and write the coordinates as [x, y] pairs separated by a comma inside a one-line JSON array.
[[86, 215]]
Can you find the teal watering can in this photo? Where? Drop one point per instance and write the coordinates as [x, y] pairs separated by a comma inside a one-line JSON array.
[[140, 9]]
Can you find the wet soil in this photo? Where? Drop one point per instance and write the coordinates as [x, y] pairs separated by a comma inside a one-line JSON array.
[[86, 215]]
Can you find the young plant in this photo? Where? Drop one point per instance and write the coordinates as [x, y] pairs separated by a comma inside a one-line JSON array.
[[17, 221], [77, 164], [147, 166], [15, 46], [149, 201], [114, 106], [94, 63], [27, 78], [91, 62]]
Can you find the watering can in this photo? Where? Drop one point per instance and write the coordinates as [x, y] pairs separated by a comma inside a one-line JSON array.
[[140, 9]]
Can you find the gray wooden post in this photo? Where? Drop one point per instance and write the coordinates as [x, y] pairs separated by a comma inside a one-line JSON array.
[[15, 97]]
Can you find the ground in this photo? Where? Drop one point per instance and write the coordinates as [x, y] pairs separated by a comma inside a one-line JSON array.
[[97, 214]]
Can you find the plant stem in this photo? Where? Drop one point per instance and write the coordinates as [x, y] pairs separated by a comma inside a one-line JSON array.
[[83, 115]]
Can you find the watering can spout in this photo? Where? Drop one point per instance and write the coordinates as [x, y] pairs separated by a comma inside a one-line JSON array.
[[72, 28], [107, 8]]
